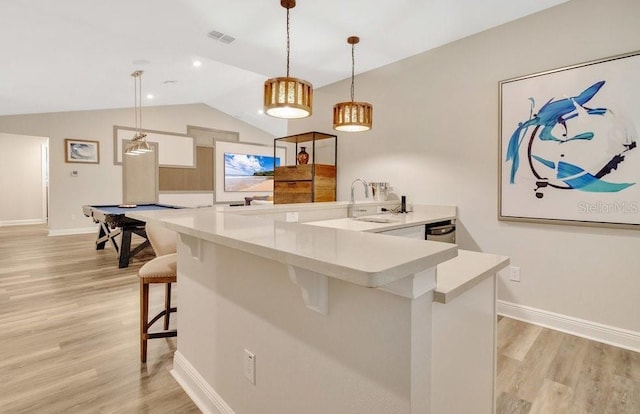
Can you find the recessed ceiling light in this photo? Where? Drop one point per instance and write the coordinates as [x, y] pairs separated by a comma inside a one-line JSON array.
[[150, 96], [197, 63], [261, 111]]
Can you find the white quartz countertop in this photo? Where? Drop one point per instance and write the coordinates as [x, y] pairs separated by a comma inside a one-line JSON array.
[[419, 216], [465, 271], [358, 257]]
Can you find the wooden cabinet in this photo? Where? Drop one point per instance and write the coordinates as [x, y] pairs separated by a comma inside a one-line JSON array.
[[304, 183], [285, 192], [314, 181]]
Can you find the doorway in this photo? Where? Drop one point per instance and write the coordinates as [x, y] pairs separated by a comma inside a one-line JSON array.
[[24, 179]]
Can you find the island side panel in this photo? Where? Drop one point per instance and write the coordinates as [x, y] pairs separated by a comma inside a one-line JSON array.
[[358, 358], [464, 351]]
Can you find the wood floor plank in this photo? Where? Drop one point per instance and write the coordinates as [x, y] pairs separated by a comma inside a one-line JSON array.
[[515, 338], [629, 365], [506, 374], [535, 366], [553, 398], [509, 403], [565, 367], [624, 397], [596, 377]]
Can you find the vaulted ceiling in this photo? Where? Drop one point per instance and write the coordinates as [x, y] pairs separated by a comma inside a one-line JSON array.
[[68, 55]]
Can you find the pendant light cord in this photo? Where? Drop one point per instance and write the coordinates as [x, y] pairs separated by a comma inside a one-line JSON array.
[[140, 104], [353, 73], [288, 42], [135, 102], [137, 93]]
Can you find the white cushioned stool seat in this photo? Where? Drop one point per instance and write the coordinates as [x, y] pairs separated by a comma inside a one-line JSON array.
[[162, 266]]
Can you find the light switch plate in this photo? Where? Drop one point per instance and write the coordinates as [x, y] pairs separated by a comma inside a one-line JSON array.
[[514, 273]]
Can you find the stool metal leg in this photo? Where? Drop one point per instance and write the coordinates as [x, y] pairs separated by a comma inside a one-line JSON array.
[[167, 305]]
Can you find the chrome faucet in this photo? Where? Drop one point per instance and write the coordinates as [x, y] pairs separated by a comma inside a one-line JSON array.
[[365, 184]]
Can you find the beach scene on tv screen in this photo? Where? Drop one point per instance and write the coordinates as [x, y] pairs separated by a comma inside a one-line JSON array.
[[249, 172]]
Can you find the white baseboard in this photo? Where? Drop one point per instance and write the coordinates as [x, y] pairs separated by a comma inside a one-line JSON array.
[[611, 335], [200, 392], [22, 222], [68, 232]]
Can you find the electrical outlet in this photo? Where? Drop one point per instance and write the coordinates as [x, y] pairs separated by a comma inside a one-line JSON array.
[[292, 217], [514, 273], [250, 366]]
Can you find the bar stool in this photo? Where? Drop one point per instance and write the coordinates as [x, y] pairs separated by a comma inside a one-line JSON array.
[[161, 269]]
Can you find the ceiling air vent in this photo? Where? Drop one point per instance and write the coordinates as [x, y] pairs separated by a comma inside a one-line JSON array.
[[221, 37]]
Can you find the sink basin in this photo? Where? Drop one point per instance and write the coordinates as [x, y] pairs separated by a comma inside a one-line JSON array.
[[377, 219]]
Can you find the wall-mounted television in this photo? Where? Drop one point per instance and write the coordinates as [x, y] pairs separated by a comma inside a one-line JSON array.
[[249, 165], [249, 172]]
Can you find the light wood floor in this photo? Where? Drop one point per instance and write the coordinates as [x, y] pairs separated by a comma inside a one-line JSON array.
[[69, 343], [69, 331], [543, 371]]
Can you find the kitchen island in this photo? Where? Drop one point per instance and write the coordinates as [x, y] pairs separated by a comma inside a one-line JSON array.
[[279, 316]]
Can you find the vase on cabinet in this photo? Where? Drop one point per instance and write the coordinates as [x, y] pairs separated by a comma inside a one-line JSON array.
[[303, 156]]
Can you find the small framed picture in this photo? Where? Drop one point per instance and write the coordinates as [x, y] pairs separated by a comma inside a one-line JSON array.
[[81, 151]]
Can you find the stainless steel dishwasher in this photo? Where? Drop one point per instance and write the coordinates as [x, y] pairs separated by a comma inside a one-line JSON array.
[[442, 231]]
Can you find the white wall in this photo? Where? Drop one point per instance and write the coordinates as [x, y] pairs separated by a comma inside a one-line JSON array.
[[102, 183], [435, 138], [22, 180]]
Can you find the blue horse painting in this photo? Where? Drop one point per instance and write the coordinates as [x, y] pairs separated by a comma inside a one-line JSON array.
[[551, 124]]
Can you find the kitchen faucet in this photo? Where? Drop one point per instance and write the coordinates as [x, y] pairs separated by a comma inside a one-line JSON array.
[[365, 184]]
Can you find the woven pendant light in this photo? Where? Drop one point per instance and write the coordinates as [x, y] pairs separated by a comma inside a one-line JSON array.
[[287, 97], [352, 116]]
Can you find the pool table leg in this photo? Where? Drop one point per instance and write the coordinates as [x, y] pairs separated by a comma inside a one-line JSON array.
[[105, 234], [126, 253], [125, 248], [102, 240]]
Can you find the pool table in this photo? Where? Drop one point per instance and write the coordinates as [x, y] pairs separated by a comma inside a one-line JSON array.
[[113, 222]]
